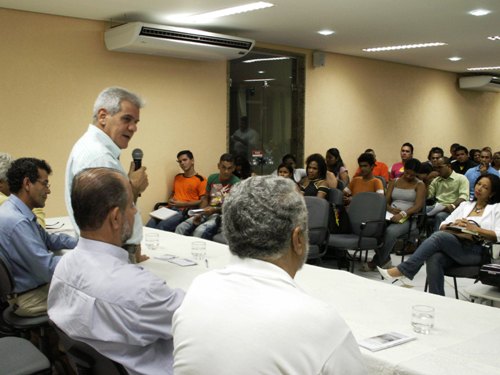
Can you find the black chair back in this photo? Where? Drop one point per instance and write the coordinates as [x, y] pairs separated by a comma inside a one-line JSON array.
[[85, 359], [367, 214], [318, 211]]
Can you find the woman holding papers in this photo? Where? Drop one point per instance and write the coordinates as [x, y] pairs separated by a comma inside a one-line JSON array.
[[445, 248], [405, 197]]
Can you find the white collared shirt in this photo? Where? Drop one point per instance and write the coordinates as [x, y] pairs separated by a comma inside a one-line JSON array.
[[120, 309], [96, 149], [251, 318]]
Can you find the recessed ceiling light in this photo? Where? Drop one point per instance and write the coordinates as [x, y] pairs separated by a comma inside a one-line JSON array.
[[203, 17], [479, 12], [261, 71], [326, 32], [266, 59], [259, 80], [496, 37], [454, 58], [407, 46], [484, 68]]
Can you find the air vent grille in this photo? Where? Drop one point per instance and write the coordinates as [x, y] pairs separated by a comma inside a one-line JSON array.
[[176, 35]]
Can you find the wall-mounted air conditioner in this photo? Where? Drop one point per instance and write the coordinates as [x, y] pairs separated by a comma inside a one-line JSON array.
[[138, 37], [480, 83]]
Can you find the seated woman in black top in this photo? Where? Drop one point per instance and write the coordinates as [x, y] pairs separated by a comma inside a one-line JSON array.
[[314, 184]]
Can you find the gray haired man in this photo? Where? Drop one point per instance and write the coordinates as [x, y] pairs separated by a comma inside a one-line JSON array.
[[114, 122], [251, 317]]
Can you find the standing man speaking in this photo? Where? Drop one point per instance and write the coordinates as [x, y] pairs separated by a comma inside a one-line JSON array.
[[114, 122]]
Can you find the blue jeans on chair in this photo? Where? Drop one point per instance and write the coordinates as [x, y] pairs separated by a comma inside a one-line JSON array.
[[440, 251]]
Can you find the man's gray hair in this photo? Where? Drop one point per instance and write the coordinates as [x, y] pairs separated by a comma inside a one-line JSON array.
[[5, 162], [259, 216], [110, 99]]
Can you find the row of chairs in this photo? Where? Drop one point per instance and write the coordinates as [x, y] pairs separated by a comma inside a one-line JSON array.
[[19, 356], [366, 214]]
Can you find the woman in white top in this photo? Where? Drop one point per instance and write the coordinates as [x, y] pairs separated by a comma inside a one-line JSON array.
[[443, 249]]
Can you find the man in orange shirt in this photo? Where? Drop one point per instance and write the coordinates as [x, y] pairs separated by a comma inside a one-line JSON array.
[[189, 188], [366, 182], [379, 169]]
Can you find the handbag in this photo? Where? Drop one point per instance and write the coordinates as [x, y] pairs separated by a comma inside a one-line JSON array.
[[463, 234], [489, 274]]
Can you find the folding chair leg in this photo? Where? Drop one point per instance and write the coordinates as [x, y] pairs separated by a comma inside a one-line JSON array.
[[456, 287]]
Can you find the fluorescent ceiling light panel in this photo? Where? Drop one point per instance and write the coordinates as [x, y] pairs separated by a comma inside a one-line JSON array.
[[479, 12], [326, 32], [259, 80], [266, 59], [407, 46], [203, 17], [484, 68], [454, 58], [496, 37]]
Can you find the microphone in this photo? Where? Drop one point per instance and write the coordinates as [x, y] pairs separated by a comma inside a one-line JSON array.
[[137, 155]]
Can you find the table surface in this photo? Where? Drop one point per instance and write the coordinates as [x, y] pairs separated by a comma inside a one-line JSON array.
[[464, 339]]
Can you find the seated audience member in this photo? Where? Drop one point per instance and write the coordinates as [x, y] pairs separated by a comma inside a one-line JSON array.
[[315, 185], [443, 249], [366, 182], [462, 162], [242, 168], [96, 296], [475, 155], [298, 173], [5, 163], [406, 153], [335, 164], [495, 163], [189, 188], [428, 171], [448, 190], [218, 187], [483, 168], [453, 148], [405, 197], [24, 245], [251, 317], [380, 169], [286, 171]]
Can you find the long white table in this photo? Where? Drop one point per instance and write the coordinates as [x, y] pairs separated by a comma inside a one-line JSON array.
[[465, 339]]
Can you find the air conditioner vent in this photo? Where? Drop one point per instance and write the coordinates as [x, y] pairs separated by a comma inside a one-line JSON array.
[[168, 34]]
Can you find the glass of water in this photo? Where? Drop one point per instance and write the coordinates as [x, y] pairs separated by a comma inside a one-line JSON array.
[[199, 250], [422, 318], [152, 241]]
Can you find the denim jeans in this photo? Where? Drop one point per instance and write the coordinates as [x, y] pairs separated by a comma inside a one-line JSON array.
[[392, 233], [207, 229], [440, 251]]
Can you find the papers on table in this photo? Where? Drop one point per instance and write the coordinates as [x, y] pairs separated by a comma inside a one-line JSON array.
[[183, 262], [162, 213], [385, 341]]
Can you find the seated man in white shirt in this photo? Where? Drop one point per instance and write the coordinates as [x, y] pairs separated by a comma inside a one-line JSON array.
[[251, 317], [97, 296]]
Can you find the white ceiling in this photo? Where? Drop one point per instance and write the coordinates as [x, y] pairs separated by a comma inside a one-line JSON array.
[[358, 24]]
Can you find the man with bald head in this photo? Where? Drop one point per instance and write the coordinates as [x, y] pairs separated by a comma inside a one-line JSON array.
[[251, 317], [97, 296]]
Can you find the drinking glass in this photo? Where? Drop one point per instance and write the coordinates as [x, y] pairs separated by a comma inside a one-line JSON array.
[[422, 318]]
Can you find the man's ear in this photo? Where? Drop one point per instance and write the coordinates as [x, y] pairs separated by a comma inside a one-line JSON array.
[[101, 117], [298, 246], [115, 218], [26, 183]]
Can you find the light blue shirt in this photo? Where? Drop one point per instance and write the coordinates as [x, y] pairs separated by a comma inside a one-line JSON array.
[[120, 309], [96, 149], [473, 174], [25, 245]]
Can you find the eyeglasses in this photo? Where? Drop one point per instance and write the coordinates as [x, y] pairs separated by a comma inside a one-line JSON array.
[[44, 183]]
